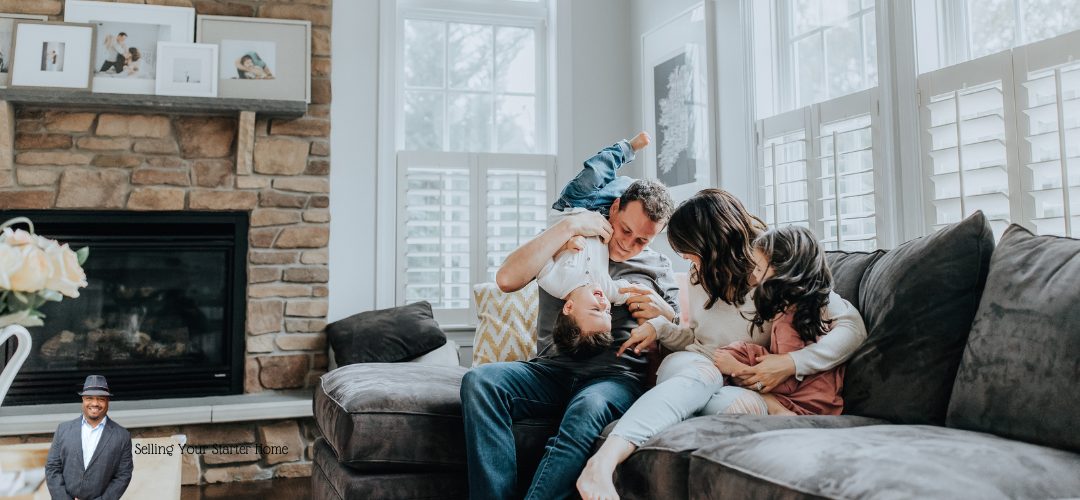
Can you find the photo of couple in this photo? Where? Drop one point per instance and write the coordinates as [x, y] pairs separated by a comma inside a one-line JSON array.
[[126, 51]]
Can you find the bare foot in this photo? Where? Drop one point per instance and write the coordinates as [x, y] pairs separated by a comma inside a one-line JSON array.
[[595, 482], [640, 141]]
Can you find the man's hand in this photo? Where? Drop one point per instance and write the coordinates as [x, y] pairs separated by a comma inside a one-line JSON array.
[[640, 337], [589, 224], [771, 370], [645, 304]]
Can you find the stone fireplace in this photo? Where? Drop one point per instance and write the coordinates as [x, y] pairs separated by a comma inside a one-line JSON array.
[[156, 161]]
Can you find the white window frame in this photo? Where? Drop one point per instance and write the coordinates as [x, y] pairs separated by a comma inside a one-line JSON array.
[[478, 165], [494, 14]]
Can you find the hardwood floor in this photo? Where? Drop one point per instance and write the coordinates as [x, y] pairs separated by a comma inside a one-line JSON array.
[[271, 489]]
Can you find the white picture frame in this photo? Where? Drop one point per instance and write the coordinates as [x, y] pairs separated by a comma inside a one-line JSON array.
[[679, 103], [7, 38], [121, 27], [52, 55], [187, 69], [283, 46]]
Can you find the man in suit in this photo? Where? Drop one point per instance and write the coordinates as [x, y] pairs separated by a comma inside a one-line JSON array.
[[90, 456]]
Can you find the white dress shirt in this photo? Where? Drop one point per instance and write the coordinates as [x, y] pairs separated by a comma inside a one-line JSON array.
[[90, 438]]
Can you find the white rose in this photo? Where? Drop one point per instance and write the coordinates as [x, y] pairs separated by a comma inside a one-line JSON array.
[[10, 261], [34, 272], [17, 237], [67, 275]]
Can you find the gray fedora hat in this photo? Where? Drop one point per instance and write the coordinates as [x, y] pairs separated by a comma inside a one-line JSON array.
[[95, 385]]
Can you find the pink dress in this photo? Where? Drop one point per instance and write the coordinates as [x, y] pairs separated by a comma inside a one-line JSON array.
[[817, 394]]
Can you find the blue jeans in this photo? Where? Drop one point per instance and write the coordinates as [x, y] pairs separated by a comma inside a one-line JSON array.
[[596, 187], [494, 395]]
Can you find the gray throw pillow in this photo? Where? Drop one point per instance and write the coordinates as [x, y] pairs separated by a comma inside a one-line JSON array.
[[918, 302], [848, 269], [386, 335], [1018, 374]]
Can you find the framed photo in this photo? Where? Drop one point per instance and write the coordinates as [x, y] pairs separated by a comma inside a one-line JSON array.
[[54, 55], [260, 58], [127, 38], [188, 69], [679, 107], [7, 32]]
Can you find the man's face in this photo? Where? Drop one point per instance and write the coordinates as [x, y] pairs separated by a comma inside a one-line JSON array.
[[95, 407], [632, 230], [121, 38]]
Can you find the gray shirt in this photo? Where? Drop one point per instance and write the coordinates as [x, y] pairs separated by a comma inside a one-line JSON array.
[[649, 268]]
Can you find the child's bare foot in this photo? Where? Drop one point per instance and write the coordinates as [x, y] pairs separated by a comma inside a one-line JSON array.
[[640, 141], [595, 482]]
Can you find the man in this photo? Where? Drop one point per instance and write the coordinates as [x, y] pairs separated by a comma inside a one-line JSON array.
[[588, 393], [90, 456], [117, 51]]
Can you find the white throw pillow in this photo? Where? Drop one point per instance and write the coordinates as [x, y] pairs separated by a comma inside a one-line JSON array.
[[507, 327]]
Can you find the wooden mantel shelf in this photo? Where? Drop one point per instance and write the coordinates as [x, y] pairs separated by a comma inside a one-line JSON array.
[[152, 103]]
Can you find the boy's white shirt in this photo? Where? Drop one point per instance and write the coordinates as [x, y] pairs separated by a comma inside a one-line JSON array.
[[571, 269]]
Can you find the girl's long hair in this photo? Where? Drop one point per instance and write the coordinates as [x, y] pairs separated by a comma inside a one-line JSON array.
[[715, 226], [802, 281]]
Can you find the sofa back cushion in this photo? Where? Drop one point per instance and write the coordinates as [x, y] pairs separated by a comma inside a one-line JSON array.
[[1019, 370], [918, 302], [506, 324]]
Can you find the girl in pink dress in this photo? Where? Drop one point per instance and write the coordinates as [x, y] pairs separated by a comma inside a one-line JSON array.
[[793, 292]]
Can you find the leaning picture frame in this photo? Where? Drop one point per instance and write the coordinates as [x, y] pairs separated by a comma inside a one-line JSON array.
[[52, 55], [187, 69], [678, 103], [7, 32], [126, 40], [260, 58]]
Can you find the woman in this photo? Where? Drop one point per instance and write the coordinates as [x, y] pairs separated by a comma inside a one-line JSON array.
[[715, 233]]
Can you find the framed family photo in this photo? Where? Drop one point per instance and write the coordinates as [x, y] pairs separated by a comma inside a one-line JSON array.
[[7, 36], [187, 69], [260, 58], [677, 67], [53, 55], [125, 45]]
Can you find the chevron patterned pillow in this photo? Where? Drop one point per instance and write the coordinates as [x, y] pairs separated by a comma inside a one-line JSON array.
[[507, 326]]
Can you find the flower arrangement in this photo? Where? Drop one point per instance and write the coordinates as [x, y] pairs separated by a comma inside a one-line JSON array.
[[34, 270]]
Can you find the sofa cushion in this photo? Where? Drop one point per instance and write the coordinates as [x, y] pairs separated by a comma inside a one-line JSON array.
[[333, 481], [918, 302], [848, 269], [882, 461], [386, 335], [406, 417], [659, 468], [1019, 370], [506, 330]]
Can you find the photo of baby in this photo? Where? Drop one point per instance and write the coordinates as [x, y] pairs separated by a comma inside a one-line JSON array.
[[248, 60], [52, 56]]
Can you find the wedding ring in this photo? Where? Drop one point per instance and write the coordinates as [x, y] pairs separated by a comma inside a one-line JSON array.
[[759, 386]]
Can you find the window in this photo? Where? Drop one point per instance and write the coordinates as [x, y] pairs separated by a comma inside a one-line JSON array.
[[1001, 134], [474, 180], [461, 214], [471, 86], [816, 170]]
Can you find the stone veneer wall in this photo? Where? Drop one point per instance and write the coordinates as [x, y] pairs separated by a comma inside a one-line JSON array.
[[110, 159]]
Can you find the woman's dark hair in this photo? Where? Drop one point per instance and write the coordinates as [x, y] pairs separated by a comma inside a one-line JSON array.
[[135, 55], [802, 280], [715, 226]]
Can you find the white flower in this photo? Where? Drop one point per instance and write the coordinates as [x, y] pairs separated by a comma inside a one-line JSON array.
[[67, 275], [11, 260], [17, 237], [34, 272]]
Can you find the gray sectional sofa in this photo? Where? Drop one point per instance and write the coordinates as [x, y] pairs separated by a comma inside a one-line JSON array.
[[962, 390]]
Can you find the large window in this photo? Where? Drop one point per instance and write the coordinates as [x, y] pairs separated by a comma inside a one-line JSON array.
[[815, 66], [474, 175]]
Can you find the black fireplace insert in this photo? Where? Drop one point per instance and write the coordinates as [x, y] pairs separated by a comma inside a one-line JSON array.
[[162, 315]]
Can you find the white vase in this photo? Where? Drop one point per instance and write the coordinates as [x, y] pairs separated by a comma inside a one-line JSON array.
[[22, 351]]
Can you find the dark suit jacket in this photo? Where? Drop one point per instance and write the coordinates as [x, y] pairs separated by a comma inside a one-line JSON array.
[[109, 471]]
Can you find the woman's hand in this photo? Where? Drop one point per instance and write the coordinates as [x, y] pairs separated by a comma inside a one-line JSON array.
[[642, 336], [589, 224], [645, 304], [771, 370]]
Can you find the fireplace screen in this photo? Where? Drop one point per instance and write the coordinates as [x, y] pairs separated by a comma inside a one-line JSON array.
[[162, 315]]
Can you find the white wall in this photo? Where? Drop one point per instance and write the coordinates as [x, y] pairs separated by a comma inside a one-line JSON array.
[[592, 92]]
